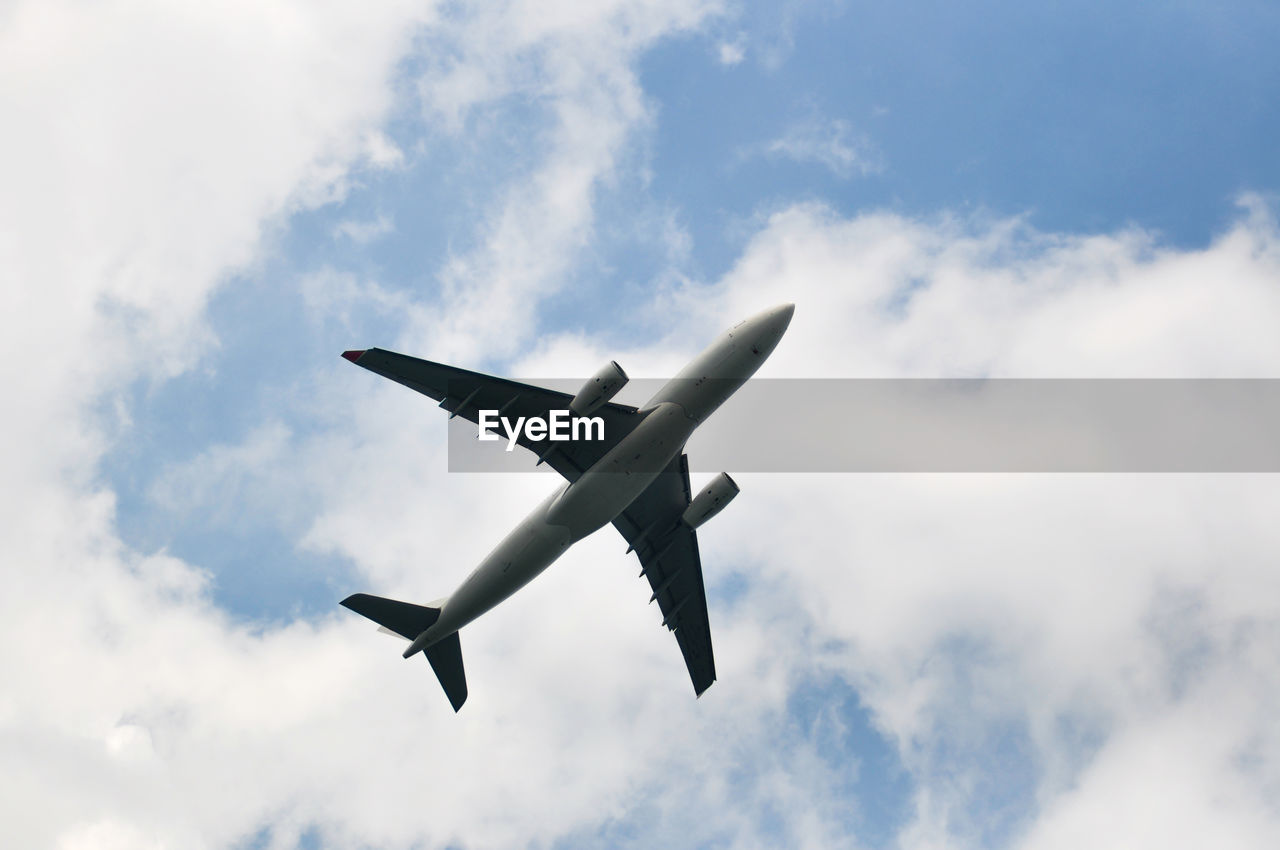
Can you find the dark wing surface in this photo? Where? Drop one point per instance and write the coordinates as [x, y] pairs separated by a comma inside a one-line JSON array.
[[464, 393], [668, 552]]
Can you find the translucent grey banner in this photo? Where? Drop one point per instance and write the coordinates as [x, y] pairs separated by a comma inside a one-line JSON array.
[[958, 425]]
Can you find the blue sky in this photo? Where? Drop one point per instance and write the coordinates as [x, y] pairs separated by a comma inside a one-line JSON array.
[[1087, 116], [208, 207]]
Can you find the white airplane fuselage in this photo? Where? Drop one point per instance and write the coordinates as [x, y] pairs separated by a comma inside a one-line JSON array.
[[605, 490]]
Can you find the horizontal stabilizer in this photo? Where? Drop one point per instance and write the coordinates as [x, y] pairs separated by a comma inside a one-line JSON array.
[[403, 618], [446, 661]]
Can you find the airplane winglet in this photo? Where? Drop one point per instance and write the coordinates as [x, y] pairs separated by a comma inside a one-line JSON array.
[[354, 356]]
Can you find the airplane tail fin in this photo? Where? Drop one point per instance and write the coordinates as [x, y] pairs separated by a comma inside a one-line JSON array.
[[446, 660], [404, 619], [408, 621]]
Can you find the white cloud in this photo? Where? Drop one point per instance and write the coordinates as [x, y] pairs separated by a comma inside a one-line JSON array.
[[577, 62], [364, 231], [1141, 610], [213, 482], [151, 143], [731, 52], [1055, 642], [381, 152], [831, 144], [146, 147], [1119, 632]]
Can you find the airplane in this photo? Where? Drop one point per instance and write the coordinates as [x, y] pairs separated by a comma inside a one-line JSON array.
[[636, 477]]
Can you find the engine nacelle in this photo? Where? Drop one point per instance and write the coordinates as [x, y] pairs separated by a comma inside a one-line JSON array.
[[710, 501], [602, 386]]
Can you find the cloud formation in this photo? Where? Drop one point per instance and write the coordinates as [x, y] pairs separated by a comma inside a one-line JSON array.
[[1050, 661], [1022, 641], [577, 63], [831, 144]]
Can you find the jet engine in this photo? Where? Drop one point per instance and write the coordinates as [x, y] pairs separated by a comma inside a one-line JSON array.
[[601, 387], [711, 500]]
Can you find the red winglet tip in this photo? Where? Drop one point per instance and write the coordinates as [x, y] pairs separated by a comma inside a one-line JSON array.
[[353, 356]]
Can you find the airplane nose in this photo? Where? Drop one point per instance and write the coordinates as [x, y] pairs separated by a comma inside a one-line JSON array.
[[777, 320], [766, 329]]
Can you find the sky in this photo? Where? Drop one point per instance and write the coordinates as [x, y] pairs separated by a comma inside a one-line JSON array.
[[205, 204]]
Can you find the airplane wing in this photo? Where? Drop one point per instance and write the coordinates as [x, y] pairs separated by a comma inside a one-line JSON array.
[[464, 393], [668, 552]]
